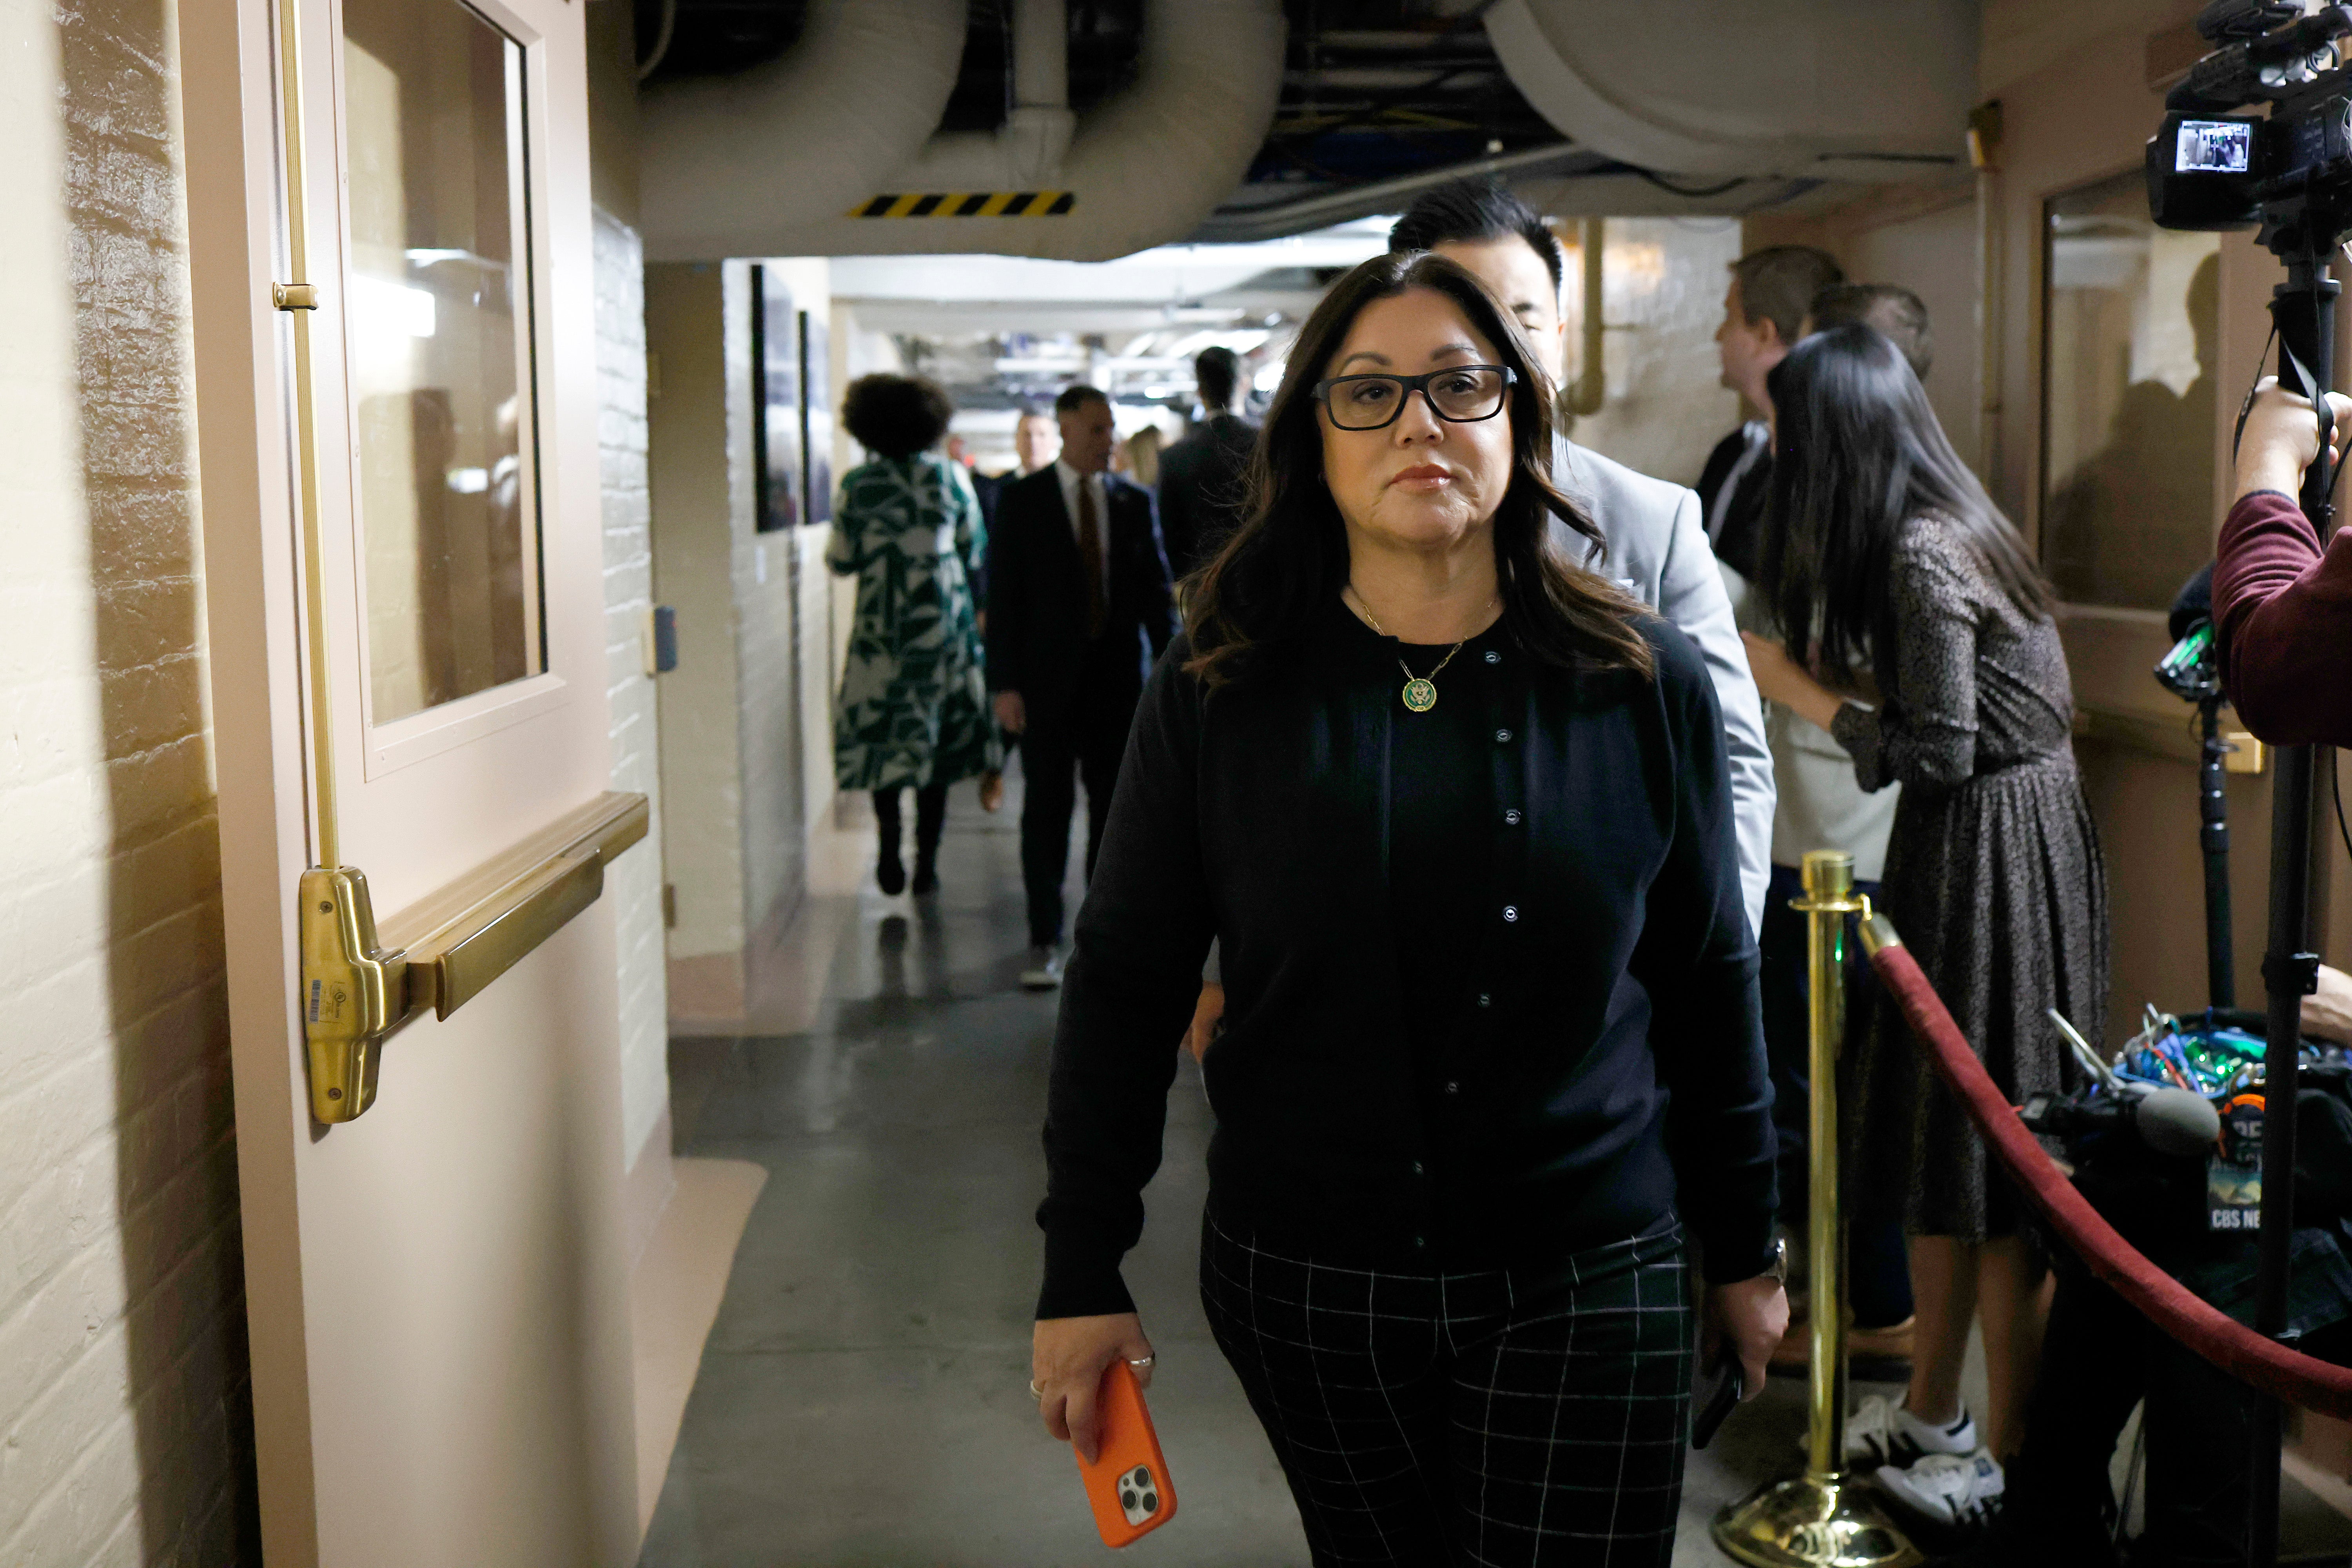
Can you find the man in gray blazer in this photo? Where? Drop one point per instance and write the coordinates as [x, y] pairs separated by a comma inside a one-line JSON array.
[[1656, 544]]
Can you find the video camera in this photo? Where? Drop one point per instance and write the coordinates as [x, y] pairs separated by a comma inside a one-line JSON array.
[[2208, 168]]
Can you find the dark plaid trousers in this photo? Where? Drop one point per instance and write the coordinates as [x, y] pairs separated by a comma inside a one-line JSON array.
[[1428, 1419]]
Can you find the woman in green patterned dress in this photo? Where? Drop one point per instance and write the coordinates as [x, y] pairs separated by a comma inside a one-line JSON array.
[[913, 708]]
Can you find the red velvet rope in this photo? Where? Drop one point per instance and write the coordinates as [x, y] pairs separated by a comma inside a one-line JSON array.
[[2249, 1357]]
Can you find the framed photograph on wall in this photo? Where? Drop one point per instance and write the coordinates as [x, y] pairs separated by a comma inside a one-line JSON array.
[[778, 462], [815, 415]]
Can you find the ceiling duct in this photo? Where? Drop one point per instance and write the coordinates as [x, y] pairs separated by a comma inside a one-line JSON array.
[[1141, 169], [1027, 152], [726, 161], [1819, 90]]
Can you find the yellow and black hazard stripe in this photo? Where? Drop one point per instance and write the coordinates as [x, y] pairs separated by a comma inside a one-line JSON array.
[[980, 203]]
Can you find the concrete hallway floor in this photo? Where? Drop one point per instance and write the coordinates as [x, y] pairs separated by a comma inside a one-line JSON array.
[[862, 1397]]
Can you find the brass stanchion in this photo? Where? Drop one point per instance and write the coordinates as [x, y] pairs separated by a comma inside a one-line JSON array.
[[1820, 1518]]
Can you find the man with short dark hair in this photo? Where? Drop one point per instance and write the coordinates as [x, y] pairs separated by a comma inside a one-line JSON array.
[[1764, 308], [1200, 476], [1893, 312], [1079, 609], [1652, 545], [1034, 439]]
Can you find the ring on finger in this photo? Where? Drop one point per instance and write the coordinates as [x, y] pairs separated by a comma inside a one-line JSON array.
[[1143, 1362]]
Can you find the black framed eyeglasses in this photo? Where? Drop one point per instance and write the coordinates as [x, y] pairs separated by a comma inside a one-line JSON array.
[[1460, 394]]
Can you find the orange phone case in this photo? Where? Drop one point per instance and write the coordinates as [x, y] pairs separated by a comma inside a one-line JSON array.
[[1128, 1484]]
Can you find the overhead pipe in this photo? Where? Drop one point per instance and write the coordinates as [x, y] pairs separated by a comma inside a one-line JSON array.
[[725, 162], [1843, 90], [1142, 169], [1279, 220], [1589, 390], [1027, 152], [665, 29]]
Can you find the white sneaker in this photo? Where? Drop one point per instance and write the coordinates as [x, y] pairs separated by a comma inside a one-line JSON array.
[[1045, 970], [1962, 1490], [1881, 1432]]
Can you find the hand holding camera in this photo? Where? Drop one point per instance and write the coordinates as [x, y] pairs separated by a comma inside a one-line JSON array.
[[2280, 437]]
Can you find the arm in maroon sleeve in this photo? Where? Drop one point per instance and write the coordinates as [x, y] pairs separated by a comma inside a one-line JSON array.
[[2283, 609]]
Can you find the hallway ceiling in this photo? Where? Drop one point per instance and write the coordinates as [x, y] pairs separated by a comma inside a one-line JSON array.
[[720, 38], [1380, 98]]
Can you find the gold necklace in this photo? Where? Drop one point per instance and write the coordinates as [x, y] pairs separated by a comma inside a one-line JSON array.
[[1419, 690]]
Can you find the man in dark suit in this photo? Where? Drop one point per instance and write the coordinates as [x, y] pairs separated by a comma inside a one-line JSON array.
[[1079, 609], [1201, 477]]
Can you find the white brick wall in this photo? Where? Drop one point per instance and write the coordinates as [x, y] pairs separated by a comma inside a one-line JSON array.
[[122, 1368], [695, 499], [773, 692], [636, 881]]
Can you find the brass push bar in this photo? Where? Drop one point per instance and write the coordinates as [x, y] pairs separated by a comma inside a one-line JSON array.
[[360, 985]]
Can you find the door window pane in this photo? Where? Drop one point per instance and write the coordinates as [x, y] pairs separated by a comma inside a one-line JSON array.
[[2127, 415], [439, 333]]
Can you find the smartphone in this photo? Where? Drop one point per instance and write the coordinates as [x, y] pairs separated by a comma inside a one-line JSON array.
[[1721, 1401], [1128, 1483]]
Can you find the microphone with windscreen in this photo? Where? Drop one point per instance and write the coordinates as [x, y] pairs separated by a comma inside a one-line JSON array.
[[2191, 670], [2193, 605], [2167, 1121]]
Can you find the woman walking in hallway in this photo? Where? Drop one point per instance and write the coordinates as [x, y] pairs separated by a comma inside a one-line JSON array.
[[1459, 813], [1884, 543], [913, 708]]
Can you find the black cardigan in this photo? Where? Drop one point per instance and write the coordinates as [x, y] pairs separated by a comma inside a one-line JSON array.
[[1615, 973]]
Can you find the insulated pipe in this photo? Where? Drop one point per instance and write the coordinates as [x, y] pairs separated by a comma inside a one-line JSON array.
[[1848, 89], [1143, 169], [725, 161], [1151, 164], [1040, 54], [1027, 152], [1278, 220]]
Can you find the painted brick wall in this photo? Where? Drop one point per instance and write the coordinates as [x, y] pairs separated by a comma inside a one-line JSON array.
[[694, 568], [1663, 293], [635, 882], [124, 1399], [774, 688]]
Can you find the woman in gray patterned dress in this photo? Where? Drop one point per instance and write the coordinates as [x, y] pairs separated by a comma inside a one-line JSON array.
[[913, 708], [1884, 541]]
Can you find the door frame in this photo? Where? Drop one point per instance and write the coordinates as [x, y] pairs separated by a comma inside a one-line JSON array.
[[256, 647]]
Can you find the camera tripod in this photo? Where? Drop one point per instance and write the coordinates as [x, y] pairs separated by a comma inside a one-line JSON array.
[[2302, 234]]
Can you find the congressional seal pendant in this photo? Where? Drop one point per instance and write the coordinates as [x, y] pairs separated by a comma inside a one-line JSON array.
[[1419, 690]]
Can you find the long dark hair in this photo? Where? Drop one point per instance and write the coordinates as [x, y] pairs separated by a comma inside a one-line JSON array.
[[1860, 454], [1289, 557]]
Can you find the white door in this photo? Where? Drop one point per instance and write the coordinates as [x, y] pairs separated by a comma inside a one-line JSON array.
[[390, 238]]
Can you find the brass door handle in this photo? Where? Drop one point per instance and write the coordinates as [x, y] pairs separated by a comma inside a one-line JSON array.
[[2167, 736], [442, 951]]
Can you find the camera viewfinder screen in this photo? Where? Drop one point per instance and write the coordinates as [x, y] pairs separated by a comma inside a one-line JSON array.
[[2214, 147]]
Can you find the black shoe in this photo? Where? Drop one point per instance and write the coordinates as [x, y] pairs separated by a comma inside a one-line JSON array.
[[927, 879], [891, 874]]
